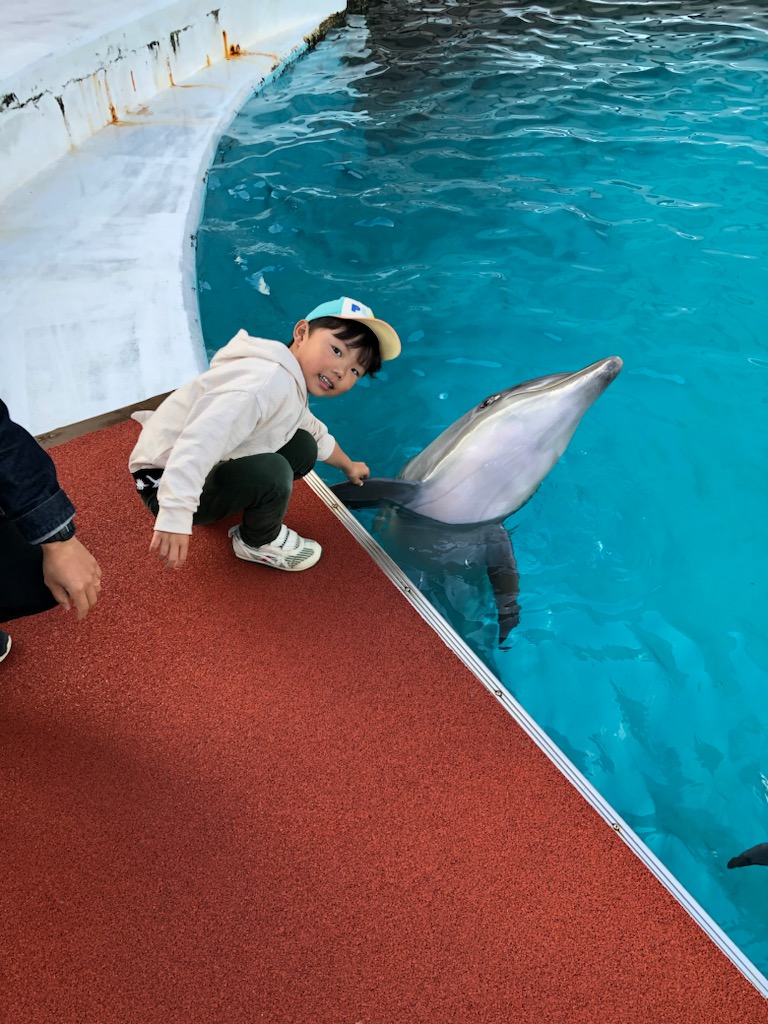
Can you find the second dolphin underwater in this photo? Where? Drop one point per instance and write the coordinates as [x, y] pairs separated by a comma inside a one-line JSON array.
[[451, 499]]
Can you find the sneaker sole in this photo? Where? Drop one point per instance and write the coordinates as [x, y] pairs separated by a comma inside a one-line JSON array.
[[306, 564], [7, 651]]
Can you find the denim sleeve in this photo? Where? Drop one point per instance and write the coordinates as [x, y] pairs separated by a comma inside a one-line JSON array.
[[29, 491]]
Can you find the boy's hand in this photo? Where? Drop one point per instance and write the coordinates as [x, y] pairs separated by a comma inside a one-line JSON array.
[[170, 548], [357, 472]]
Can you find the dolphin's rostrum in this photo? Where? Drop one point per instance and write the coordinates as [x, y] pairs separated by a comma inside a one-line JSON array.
[[484, 467]]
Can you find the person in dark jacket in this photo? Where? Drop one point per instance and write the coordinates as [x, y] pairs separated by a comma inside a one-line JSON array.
[[42, 563]]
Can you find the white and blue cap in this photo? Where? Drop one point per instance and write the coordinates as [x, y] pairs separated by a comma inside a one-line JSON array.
[[351, 309]]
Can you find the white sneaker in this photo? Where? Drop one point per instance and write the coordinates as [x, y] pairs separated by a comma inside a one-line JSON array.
[[287, 551]]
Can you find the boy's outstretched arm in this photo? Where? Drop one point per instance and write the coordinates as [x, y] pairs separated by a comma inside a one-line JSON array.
[[355, 472]]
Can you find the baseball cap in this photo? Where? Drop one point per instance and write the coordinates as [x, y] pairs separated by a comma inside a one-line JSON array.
[[351, 309]]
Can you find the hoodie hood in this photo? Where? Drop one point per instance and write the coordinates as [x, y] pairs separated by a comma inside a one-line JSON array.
[[243, 346]]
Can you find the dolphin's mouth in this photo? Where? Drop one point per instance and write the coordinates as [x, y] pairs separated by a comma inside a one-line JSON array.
[[603, 372], [614, 365], [607, 369]]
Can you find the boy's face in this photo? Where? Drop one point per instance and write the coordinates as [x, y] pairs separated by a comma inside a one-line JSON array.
[[329, 366]]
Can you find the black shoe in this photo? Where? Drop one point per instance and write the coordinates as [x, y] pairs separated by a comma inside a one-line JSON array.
[[5, 644]]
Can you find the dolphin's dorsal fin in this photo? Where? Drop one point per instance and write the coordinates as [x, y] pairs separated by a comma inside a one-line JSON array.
[[378, 491]]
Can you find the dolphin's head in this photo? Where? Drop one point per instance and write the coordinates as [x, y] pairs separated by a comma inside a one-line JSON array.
[[547, 409], [589, 383], [488, 463]]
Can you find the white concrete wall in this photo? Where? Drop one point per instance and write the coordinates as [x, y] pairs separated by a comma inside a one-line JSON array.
[[99, 300], [104, 73]]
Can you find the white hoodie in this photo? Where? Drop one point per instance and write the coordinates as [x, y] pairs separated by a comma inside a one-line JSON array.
[[251, 400]]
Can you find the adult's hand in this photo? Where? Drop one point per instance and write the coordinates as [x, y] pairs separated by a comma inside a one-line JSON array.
[[170, 548], [72, 575]]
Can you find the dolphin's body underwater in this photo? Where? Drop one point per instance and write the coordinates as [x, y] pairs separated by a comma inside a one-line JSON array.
[[484, 467]]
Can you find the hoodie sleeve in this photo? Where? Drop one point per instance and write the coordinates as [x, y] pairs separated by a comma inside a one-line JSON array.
[[325, 441], [217, 423]]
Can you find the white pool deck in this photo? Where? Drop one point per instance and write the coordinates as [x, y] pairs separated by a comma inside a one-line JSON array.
[[101, 188]]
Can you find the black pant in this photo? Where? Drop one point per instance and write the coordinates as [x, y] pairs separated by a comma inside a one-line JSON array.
[[259, 486], [22, 589]]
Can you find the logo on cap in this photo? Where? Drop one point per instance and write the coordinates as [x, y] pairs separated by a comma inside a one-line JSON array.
[[351, 307]]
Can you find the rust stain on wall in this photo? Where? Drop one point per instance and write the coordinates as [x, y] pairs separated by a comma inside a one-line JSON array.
[[232, 49], [112, 110]]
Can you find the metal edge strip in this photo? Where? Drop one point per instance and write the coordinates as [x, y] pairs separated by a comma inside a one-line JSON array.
[[452, 640]]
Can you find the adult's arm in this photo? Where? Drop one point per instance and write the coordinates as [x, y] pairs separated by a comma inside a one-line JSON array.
[[30, 494]]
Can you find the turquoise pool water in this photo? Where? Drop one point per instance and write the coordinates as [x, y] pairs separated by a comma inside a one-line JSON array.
[[521, 191]]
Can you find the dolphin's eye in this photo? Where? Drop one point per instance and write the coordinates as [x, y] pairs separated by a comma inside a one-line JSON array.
[[489, 401]]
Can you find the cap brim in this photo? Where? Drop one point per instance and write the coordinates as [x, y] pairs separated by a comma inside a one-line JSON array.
[[389, 342]]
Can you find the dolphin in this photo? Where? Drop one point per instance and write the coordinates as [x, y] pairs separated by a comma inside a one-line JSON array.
[[482, 469]]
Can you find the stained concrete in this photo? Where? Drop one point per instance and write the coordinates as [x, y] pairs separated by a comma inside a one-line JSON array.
[[99, 305]]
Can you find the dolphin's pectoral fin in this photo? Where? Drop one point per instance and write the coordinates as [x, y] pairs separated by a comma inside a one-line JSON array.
[[754, 855], [502, 572], [742, 861], [377, 491]]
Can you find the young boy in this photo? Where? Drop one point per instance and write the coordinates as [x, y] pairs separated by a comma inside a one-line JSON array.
[[236, 437]]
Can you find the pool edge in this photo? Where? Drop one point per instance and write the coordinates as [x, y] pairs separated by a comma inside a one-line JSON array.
[[566, 767]]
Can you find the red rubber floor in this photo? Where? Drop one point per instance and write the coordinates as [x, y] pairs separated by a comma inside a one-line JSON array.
[[236, 795]]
